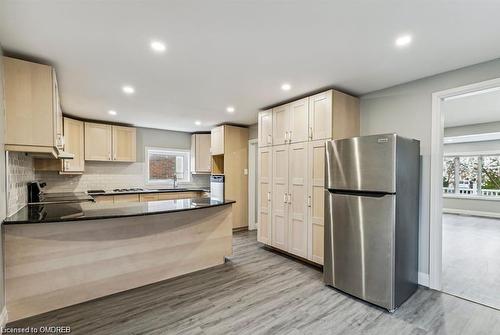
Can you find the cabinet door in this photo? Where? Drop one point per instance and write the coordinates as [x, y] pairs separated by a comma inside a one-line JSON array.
[[74, 143], [299, 116], [265, 128], [320, 116], [316, 200], [148, 197], [281, 124], [28, 103], [297, 199], [217, 141], [202, 153], [124, 144], [97, 142], [280, 231], [264, 194], [58, 117]]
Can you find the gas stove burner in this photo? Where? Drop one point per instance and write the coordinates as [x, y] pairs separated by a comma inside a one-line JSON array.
[[132, 189]]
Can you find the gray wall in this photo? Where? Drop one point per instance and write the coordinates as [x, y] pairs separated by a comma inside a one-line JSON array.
[[406, 109], [451, 204], [253, 131], [3, 195], [161, 138]]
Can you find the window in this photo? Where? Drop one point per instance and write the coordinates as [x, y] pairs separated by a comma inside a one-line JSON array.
[[164, 165], [472, 175]]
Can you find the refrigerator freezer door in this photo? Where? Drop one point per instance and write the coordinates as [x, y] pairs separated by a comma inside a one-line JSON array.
[[365, 163], [363, 246]]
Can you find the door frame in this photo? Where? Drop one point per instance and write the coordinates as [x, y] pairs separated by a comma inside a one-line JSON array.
[[436, 189], [253, 151]]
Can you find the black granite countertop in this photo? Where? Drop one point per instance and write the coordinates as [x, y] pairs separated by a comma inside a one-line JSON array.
[[63, 212], [147, 191]]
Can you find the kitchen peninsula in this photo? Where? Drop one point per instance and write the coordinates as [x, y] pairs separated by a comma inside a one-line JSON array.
[[58, 255]]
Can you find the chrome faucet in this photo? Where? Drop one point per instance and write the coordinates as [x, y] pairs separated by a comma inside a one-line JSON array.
[[175, 180]]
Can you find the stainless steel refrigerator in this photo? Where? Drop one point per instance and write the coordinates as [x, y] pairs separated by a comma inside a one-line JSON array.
[[371, 217]]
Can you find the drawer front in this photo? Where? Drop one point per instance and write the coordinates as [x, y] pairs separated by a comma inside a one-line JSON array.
[[126, 198], [104, 198], [149, 197]]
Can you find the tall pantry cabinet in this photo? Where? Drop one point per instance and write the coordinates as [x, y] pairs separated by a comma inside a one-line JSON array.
[[291, 169]]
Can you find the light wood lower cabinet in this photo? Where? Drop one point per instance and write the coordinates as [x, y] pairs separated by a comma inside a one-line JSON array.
[[294, 195], [279, 230], [265, 164], [126, 198], [148, 197], [316, 199]]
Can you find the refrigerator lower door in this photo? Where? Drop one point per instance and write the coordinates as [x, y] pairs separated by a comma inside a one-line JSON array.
[[361, 231]]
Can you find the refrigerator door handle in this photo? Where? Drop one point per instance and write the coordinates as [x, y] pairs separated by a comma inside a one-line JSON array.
[[371, 194]]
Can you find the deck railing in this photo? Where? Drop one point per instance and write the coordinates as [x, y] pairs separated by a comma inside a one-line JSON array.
[[486, 193]]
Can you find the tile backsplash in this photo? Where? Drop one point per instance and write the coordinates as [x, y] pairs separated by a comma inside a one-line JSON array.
[[107, 176], [19, 173]]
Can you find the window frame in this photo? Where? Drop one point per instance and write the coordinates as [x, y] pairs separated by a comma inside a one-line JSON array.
[[480, 155], [168, 182]]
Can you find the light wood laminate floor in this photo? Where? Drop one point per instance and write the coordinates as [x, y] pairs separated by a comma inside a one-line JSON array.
[[259, 291], [471, 258]]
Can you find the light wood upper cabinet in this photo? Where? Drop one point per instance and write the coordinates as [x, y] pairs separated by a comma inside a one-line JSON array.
[[200, 153], [217, 141], [104, 142], [320, 116], [98, 142], [299, 118], [58, 115], [281, 124], [265, 128], [74, 143], [265, 164], [280, 227], [124, 144], [29, 103]]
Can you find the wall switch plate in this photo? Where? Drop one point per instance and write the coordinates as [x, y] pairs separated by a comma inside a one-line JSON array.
[[245, 172]]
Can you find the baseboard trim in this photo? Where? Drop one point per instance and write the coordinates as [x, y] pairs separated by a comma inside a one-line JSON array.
[[471, 213], [423, 279], [3, 317]]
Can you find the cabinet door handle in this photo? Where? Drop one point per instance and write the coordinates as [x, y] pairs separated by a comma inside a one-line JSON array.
[[268, 196], [310, 133], [289, 198], [290, 136], [285, 200], [309, 201]]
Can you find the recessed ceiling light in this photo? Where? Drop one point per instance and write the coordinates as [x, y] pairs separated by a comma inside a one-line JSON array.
[[198, 123], [403, 40], [286, 87], [230, 109], [158, 46], [112, 112], [128, 89]]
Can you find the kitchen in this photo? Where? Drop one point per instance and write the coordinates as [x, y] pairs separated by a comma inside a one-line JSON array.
[[127, 184]]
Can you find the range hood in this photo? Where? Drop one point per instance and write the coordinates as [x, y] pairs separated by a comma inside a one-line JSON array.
[[40, 151]]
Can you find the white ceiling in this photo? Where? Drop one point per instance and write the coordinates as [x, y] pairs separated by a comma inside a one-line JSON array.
[[480, 108], [238, 53]]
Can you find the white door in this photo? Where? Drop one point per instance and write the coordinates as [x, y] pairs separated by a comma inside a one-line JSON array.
[[297, 199], [299, 116], [316, 200], [320, 116], [281, 124], [279, 231], [265, 128], [264, 194]]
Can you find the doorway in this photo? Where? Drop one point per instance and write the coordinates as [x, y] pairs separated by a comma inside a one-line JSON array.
[[465, 193]]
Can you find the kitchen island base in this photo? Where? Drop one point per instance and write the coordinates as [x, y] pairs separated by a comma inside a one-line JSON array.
[[58, 264]]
